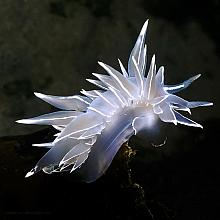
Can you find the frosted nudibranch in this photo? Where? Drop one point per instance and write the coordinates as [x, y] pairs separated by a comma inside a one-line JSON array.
[[92, 127]]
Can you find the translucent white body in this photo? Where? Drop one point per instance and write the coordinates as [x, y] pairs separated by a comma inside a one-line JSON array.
[[92, 127]]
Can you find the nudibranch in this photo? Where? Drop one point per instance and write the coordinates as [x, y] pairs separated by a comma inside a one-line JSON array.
[[92, 127]]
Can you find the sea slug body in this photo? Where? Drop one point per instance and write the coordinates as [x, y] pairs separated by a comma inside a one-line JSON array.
[[92, 127]]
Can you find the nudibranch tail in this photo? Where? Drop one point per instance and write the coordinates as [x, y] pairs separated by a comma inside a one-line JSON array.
[[92, 127]]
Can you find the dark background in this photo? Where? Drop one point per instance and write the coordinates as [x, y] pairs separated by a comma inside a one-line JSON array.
[[52, 46]]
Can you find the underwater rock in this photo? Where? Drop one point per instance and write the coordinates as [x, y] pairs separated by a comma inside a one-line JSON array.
[[116, 192], [155, 183]]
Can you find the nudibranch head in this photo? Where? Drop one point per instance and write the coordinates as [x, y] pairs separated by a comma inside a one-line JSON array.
[[91, 127]]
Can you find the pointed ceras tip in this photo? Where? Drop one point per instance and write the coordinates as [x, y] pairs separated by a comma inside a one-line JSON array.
[[24, 121], [101, 64], [19, 121], [144, 28], [29, 174], [200, 126], [39, 95], [153, 58], [197, 76]]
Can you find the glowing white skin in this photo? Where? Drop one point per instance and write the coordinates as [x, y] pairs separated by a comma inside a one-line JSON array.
[[93, 126]]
